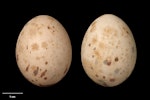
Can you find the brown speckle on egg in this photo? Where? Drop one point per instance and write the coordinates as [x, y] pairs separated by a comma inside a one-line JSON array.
[[35, 72], [53, 29], [104, 77], [46, 62], [116, 59], [107, 62], [125, 30], [45, 78], [35, 46], [65, 70], [96, 75], [48, 27], [91, 68], [43, 73], [27, 68], [112, 80], [89, 44]]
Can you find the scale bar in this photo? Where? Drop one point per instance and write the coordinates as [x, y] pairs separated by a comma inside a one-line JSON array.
[[12, 92]]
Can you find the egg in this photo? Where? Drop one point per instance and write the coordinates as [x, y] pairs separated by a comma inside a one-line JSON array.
[[108, 51], [43, 51]]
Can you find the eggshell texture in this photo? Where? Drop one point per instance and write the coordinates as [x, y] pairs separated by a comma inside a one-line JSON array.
[[43, 51], [108, 51]]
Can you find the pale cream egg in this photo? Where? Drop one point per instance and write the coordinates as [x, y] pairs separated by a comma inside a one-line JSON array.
[[108, 51], [43, 51]]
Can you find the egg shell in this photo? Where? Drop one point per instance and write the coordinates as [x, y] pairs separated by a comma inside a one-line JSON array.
[[43, 51], [108, 51]]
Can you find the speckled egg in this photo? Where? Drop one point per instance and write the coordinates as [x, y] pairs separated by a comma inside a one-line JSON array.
[[108, 51], [43, 51]]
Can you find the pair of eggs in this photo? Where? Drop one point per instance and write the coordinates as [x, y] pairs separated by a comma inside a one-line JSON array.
[[44, 51]]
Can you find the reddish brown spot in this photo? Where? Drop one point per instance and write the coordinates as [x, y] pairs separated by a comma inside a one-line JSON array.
[[92, 68], [89, 44], [35, 46], [107, 62], [48, 27], [43, 73], [35, 72], [116, 59], [27, 68], [65, 70], [112, 80], [104, 77], [46, 63], [96, 75], [45, 78]]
